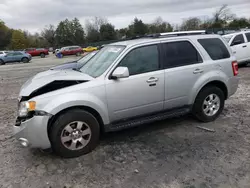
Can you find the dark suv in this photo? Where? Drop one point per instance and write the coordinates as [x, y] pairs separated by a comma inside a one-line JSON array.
[[71, 50]]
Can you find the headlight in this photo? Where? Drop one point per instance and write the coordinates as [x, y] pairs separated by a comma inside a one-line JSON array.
[[26, 107]]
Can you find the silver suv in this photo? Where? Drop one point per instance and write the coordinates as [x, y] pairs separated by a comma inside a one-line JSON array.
[[124, 85]]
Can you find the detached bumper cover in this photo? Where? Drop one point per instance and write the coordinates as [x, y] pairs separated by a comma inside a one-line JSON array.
[[34, 130]]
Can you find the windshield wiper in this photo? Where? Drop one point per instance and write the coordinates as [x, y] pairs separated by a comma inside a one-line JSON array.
[[76, 69]]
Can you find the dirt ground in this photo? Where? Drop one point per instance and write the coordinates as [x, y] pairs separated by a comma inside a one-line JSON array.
[[169, 154]]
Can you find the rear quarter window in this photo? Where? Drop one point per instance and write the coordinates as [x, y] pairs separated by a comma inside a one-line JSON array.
[[215, 48]]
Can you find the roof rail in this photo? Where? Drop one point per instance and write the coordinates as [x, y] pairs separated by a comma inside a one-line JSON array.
[[171, 34]]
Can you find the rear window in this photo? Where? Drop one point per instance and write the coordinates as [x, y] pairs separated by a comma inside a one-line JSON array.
[[215, 48]]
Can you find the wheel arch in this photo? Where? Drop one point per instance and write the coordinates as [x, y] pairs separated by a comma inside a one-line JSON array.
[[216, 83], [85, 108]]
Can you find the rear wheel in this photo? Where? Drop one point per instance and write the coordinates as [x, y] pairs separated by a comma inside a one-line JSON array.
[[2, 62], [25, 60], [42, 55], [209, 104], [78, 53], [74, 133]]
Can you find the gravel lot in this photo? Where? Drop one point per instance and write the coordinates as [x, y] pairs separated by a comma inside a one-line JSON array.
[[168, 154]]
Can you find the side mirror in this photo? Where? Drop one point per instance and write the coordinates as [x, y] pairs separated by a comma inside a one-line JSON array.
[[236, 42], [120, 72]]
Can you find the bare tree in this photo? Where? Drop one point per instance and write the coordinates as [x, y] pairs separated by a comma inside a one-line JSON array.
[[223, 14], [49, 33], [191, 24], [95, 23]]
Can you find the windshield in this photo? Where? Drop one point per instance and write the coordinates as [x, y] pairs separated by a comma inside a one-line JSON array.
[[228, 38], [102, 60], [85, 59]]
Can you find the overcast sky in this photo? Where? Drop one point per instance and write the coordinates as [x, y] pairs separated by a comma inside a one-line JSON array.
[[33, 15]]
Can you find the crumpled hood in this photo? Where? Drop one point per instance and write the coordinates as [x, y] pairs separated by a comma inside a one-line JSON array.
[[46, 77]]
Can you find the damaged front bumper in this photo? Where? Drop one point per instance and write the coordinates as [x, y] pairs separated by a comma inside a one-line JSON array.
[[33, 132]]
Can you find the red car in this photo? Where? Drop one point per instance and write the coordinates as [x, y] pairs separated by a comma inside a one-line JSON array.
[[37, 52], [71, 50]]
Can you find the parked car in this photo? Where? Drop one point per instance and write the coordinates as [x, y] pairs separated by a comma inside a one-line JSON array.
[[75, 64], [89, 49], [3, 53], [126, 84], [42, 52], [240, 45], [71, 50], [16, 56]]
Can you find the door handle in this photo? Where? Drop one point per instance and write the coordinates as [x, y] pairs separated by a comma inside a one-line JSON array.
[[244, 46], [198, 71], [152, 79]]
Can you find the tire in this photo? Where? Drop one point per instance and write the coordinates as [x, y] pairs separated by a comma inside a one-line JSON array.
[[42, 55], [2, 62], [59, 130], [78, 54], [200, 107], [25, 60]]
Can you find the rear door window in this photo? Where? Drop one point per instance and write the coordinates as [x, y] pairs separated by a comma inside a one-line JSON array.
[[215, 48], [248, 37], [180, 53]]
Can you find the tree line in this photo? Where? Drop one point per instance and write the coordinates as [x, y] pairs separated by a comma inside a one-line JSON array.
[[71, 32]]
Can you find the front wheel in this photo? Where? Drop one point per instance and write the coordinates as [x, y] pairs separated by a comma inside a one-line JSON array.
[[25, 60], [209, 104], [74, 133], [78, 54]]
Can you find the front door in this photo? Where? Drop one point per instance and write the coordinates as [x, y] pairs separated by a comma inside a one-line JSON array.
[[9, 57], [239, 48], [143, 91]]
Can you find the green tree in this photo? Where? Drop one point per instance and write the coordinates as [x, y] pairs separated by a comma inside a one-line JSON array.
[[159, 26], [239, 23], [78, 35], [107, 32], [69, 33], [139, 27], [5, 35], [18, 40]]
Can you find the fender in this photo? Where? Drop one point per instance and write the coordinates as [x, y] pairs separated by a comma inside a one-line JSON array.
[[204, 80], [79, 99]]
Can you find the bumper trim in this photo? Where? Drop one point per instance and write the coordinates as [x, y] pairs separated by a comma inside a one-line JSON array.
[[34, 130]]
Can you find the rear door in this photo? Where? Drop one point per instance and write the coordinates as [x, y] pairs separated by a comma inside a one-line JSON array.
[[72, 50], [239, 48], [183, 67], [17, 56]]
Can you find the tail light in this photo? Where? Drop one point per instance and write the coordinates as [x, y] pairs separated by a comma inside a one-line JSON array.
[[235, 68]]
